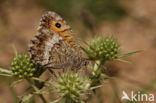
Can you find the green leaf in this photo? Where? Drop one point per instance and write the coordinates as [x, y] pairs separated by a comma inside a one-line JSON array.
[[6, 75], [56, 101], [124, 61], [26, 98], [95, 87], [130, 53], [38, 79], [14, 94], [16, 82], [15, 50], [5, 71]]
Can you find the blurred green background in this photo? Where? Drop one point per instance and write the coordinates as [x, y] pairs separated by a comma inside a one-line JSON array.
[[88, 12], [100, 9], [132, 22]]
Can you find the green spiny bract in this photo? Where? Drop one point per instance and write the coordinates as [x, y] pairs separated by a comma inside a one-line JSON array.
[[103, 49], [72, 87], [22, 66]]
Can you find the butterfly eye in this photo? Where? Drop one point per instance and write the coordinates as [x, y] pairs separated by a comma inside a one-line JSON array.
[[58, 25]]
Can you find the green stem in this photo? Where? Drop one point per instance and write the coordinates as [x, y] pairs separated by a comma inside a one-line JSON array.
[[37, 91], [6, 71], [96, 74], [42, 98], [116, 97], [97, 65]]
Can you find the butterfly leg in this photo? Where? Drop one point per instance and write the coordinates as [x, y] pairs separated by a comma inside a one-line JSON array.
[[52, 72]]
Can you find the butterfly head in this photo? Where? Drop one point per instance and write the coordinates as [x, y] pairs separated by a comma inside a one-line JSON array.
[[54, 22]]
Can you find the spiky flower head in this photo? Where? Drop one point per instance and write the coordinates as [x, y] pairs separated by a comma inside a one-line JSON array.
[[72, 87], [104, 49], [22, 66]]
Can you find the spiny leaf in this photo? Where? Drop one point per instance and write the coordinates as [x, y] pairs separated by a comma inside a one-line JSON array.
[[15, 50], [95, 87], [124, 61], [5, 71], [56, 101], [6, 75], [16, 82], [130, 53]]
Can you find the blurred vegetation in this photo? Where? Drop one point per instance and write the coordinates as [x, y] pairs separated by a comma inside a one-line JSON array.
[[86, 14], [70, 86], [100, 9], [106, 9], [90, 12], [3, 15]]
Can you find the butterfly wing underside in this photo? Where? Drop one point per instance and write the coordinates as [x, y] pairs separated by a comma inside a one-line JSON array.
[[54, 46]]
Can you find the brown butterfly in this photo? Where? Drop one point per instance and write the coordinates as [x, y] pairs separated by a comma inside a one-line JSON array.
[[54, 45]]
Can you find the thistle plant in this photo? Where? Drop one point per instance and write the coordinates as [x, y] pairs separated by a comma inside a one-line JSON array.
[[71, 87], [23, 67], [103, 49]]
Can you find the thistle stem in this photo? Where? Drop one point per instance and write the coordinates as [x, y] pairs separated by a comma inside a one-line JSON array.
[[97, 65], [37, 90], [42, 98]]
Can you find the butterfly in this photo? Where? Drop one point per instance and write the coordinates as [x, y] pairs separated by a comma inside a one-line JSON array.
[[54, 45]]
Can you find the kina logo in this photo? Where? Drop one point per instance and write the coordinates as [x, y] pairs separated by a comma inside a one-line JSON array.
[[137, 96]]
